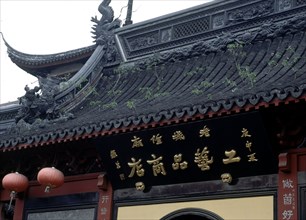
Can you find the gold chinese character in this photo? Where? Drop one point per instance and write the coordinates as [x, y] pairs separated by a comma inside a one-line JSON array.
[[202, 159], [231, 157], [118, 165], [252, 158], [248, 145], [245, 133], [178, 163], [122, 176], [158, 167], [205, 132], [137, 142], [156, 139], [113, 154], [178, 136], [136, 166]]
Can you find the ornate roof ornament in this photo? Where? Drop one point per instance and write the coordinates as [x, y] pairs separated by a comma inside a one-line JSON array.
[[269, 30], [39, 103], [253, 11], [103, 28]]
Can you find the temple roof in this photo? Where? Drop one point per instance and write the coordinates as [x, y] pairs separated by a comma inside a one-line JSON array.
[[233, 70]]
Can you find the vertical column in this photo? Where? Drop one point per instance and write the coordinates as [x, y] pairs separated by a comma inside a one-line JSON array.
[[105, 199], [287, 187], [18, 210]]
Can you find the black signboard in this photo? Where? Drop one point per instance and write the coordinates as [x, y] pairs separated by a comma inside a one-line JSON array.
[[195, 151]]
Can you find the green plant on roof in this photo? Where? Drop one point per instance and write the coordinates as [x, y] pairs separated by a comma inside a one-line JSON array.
[[131, 104], [124, 70], [110, 105], [209, 96], [287, 59], [95, 103], [198, 90], [236, 49], [82, 84], [153, 62], [155, 90], [150, 93], [245, 73], [114, 92], [272, 63], [92, 90], [238, 54], [230, 82], [195, 71]]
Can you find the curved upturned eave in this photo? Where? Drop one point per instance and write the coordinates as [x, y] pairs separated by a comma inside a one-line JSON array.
[[32, 63]]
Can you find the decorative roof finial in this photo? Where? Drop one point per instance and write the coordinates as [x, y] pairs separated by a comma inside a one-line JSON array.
[[128, 19], [106, 24]]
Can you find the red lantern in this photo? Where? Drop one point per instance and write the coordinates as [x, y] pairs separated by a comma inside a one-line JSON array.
[[50, 177], [15, 182]]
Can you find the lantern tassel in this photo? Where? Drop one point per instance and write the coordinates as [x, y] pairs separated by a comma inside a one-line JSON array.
[[12, 197], [47, 189]]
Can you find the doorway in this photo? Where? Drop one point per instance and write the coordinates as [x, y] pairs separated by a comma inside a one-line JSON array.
[[191, 214]]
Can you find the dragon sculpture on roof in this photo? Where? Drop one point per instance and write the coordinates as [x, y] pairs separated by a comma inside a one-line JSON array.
[[103, 27]]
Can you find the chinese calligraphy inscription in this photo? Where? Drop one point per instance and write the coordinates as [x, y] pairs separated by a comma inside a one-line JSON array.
[[287, 198], [157, 155], [104, 204], [202, 159], [245, 133], [205, 132], [137, 142], [178, 164], [252, 158], [136, 167], [248, 144], [158, 166], [113, 154], [156, 139], [118, 166], [178, 136], [231, 157]]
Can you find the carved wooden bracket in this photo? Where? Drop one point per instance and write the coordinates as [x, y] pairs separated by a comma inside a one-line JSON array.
[[284, 163], [102, 182]]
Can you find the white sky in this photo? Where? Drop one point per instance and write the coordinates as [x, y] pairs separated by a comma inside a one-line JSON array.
[[46, 27]]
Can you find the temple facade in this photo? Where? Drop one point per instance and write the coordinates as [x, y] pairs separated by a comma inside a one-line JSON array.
[[198, 114]]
